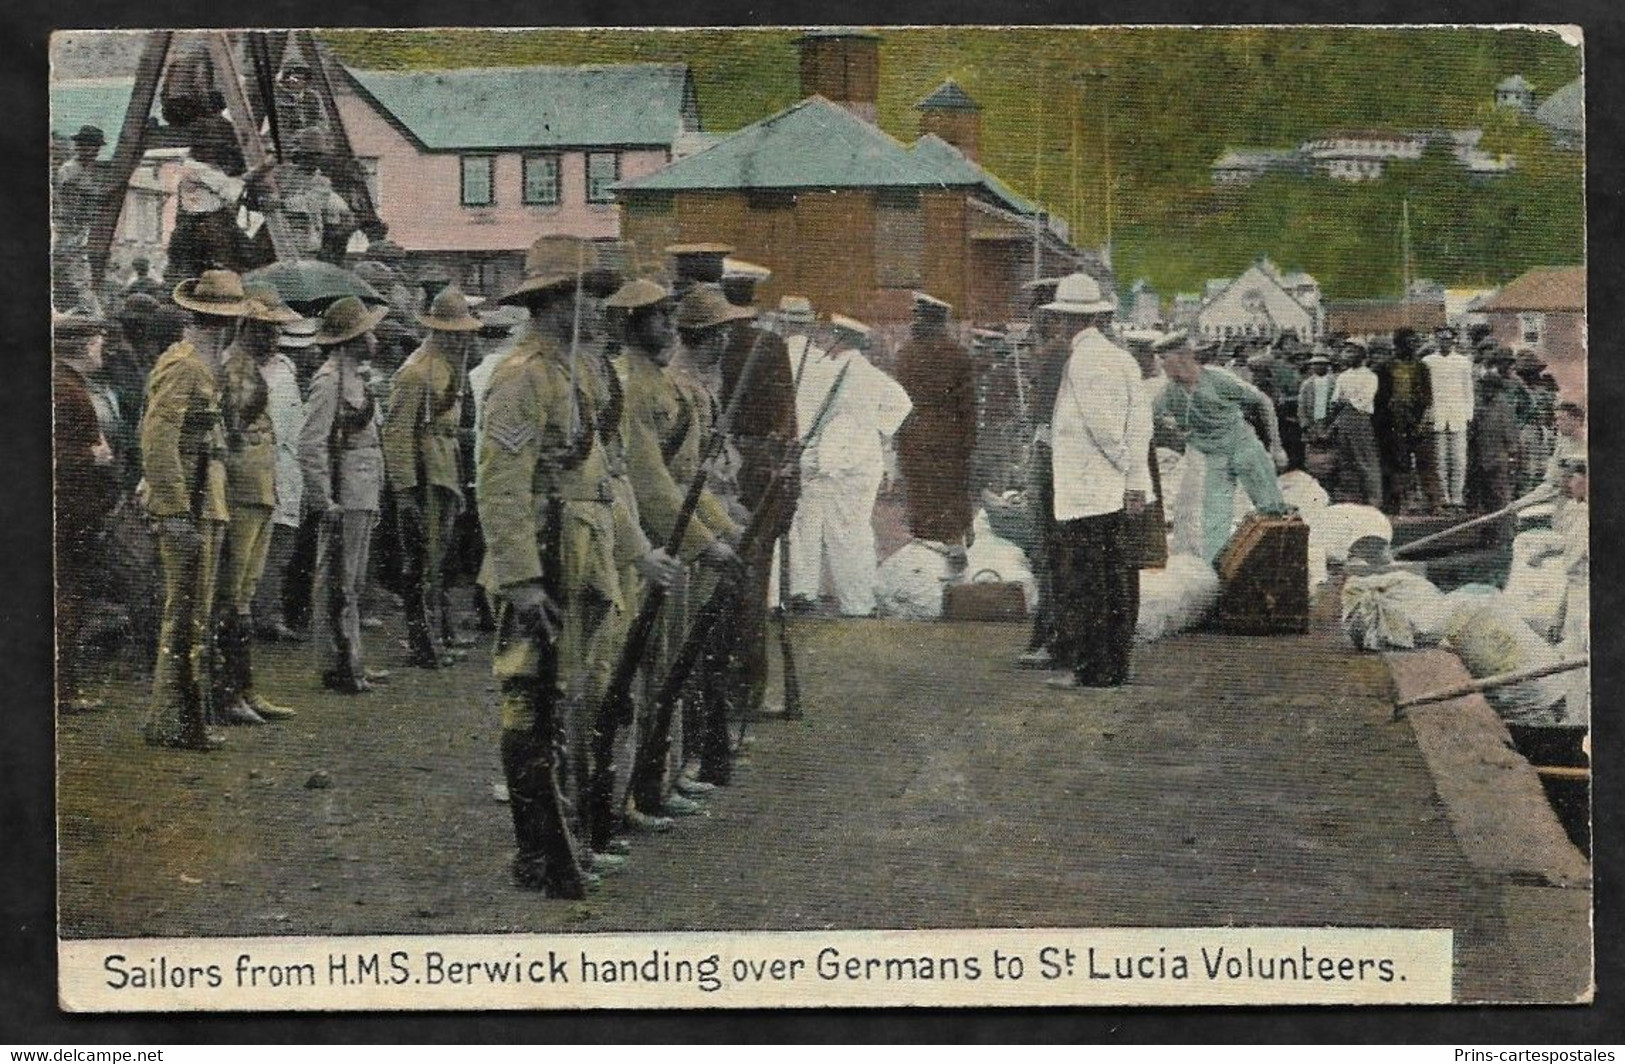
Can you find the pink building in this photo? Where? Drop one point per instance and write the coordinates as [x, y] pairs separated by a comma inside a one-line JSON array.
[[468, 167]]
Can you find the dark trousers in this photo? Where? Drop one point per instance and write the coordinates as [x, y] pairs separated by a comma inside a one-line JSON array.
[[1041, 490], [271, 597], [1097, 599], [1359, 467], [424, 525]]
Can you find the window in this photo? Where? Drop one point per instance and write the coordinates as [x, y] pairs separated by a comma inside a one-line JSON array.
[[478, 190], [1530, 327], [369, 170], [899, 238], [542, 180], [603, 171]]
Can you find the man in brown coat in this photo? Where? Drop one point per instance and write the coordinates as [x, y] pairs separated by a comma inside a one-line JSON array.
[[84, 493], [934, 445]]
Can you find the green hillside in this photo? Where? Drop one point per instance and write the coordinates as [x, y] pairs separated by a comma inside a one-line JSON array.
[[1176, 99]]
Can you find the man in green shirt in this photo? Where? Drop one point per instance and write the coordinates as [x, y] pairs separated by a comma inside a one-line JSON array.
[[1207, 407]]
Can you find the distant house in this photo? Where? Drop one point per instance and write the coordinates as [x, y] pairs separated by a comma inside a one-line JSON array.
[[1360, 156], [1544, 311], [1515, 93], [1563, 115], [1367, 319], [1243, 166], [847, 215], [468, 167], [1144, 305], [148, 215], [1262, 303], [1183, 310]]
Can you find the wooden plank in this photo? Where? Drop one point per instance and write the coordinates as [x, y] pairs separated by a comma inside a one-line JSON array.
[[248, 137], [131, 146]]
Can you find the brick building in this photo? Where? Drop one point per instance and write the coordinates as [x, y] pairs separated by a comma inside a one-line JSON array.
[[847, 215], [1544, 311]]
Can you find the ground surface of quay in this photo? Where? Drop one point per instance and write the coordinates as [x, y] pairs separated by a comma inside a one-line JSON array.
[[1236, 781]]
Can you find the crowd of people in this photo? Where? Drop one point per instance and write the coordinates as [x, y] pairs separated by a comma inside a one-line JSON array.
[[627, 463]]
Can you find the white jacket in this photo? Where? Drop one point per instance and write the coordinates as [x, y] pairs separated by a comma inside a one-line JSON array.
[[1451, 379], [867, 410], [1101, 430]]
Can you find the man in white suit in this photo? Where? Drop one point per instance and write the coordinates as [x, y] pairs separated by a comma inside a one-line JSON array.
[[841, 469], [1100, 435], [1450, 379]]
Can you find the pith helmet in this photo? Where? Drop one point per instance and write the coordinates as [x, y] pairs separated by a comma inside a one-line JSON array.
[[217, 292], [449, 312], [346, 319], [1078, 293]]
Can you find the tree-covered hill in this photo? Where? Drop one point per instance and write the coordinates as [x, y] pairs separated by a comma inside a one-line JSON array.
[[1172, 99]]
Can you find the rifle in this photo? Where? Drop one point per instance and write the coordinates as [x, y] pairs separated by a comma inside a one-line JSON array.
[[618, 697], [781, 611], [719, 604]]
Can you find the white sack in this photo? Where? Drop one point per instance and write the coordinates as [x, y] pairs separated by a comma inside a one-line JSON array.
[[1175, 598], [1395, 609], [1537, 592], [1336, 528], [991, 551], [909, 583], [1487, 632], [1303, 491]]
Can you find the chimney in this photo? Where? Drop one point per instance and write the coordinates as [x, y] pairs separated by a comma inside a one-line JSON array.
[[951, 114], [843, 66]]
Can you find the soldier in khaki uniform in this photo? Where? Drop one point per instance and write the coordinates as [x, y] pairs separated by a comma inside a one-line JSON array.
[[421, 462], [532, 447], [183, 455], [251, 493], [668, 419], [343, 467]]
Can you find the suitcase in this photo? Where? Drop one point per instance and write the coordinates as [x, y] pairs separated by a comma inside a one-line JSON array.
[[979, 599], [1264, 577]]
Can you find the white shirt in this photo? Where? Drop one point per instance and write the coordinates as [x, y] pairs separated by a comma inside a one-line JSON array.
[[287, 413], [1450, 377], [1100, 431], [1358, 388], [867, 411], [203, 189]]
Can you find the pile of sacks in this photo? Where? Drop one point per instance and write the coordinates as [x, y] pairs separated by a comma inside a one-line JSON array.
[[909, 583], [1175, 598], [1487, 630], [1393, 609]]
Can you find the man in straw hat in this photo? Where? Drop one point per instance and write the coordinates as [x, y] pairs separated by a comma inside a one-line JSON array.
[[1100, 439], [547, 513], [741, 279], [698, 263], [1208, 407], [934, 445], [251, 494], [183, 451], [842, 470], [285, 403], [668, 419], [423, 469], [77, 195], [343, 464]]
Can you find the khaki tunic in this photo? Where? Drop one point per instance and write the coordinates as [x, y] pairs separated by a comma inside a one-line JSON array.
[[665, 425], [250, 438], [182, 445], [420, 428]]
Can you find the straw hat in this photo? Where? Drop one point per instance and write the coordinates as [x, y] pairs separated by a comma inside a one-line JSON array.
[[1078, 293], [449, 312], [796, 310], [699, 262], [264, 303], [636, 294], [217, 292], [740, 270], [347, 318], [551, 262], [926, 303], [705, 307]]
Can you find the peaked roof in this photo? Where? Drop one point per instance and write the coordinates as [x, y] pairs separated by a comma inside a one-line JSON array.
[[1564, 110], [933, 151], [948, 97], [1263, 268], [100, 103], [1544, 288], [1515, 83], [813, 144], [537, 106]]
